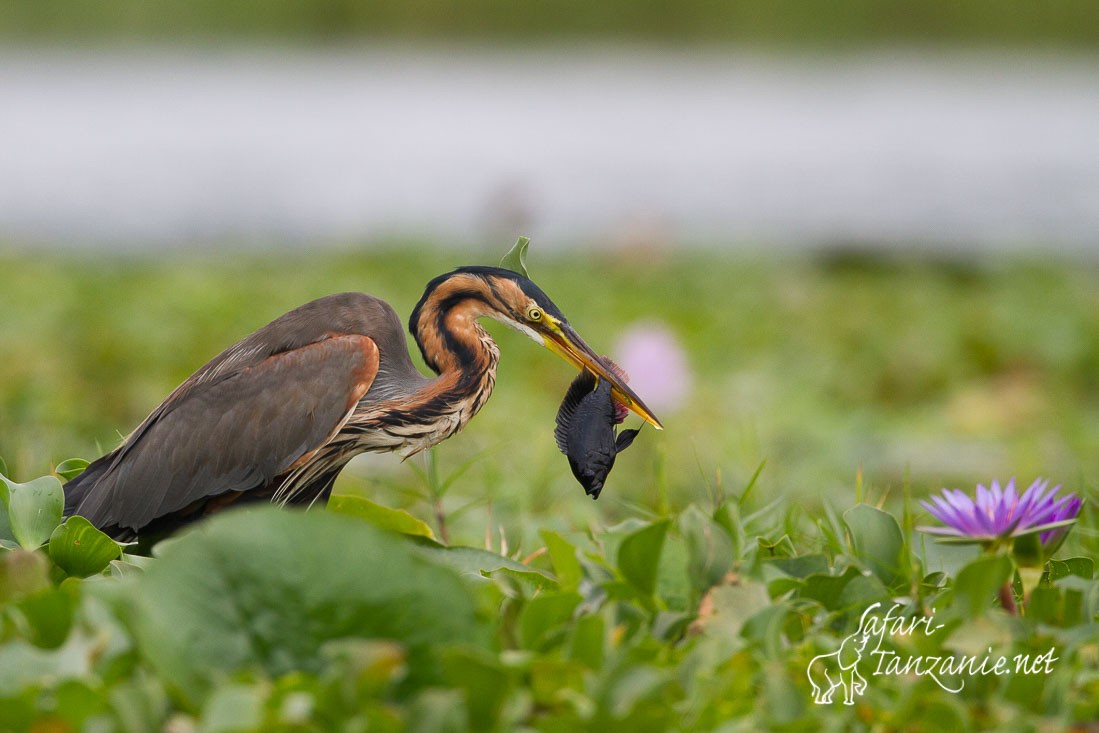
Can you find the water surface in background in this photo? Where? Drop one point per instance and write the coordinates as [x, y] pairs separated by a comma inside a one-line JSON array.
[[154, 147]]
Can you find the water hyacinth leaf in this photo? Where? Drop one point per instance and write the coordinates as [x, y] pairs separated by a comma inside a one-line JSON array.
[[1081, 567], [49, 616], [543, 615], [709, 549], [7, 539], [877, 541], [554, 680], [395, 520], [562, 554], [472, 561], [587, 641], [782, 547], [639, 556], [516, 258], [485, 682], [673, 585], [70, 469], [800, 567], [34, 508], [80, 549], [263, 590], [977, 584]]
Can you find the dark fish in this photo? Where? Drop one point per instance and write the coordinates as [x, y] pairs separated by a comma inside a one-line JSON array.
[[586, 433]]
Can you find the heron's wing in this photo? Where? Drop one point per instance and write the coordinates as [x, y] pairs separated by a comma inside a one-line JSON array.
[[580, 388], [234, 434]]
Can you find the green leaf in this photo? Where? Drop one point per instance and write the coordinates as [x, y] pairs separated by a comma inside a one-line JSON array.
[[483, 680], [70, 468], [543, 615], [639, 556], [709, 549], [34, 508], [587, 641], [49, 614], [482, 564], [566, 566], [977, 584], [1082, 567], [553, 681], [877, 541], [827, 589], [264, 589], [395, 520], [800, 567], [80, 549], [516, 258]]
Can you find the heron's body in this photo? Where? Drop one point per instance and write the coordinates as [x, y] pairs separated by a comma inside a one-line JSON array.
[[278, 415]]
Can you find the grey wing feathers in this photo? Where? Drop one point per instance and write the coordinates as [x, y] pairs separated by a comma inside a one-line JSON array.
[[232, 433]]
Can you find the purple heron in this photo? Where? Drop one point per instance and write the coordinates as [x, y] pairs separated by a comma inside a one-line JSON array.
[[277, 416]]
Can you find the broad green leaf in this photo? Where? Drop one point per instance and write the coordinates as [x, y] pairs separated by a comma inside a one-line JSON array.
[[977, 585], [80, 549], [826, 589], [396, 520], [544, 614], [587, 641], [800, 567], [562, 554], [877, 541], [70, 469], [483, 680], [516, 258], [34, 508], [1082, 567], [482, 564], [639, 555], [709, 549], [7, 539], [782, 547], [49, 616], [553, 680], [264, 589], [726, 608]]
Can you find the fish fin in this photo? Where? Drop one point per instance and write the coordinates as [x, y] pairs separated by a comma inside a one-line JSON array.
[[624, 439], [580, 388]]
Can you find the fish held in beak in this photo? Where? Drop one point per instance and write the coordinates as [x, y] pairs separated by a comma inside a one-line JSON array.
[[585, 430], [567, 344]]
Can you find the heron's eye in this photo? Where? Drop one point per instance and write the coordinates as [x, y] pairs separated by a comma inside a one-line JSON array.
[[534, 314]]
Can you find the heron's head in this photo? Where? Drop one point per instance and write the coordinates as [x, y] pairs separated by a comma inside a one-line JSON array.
[[516, 301]]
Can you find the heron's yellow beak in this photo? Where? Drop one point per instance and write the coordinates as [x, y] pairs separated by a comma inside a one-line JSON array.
[[562, 339]]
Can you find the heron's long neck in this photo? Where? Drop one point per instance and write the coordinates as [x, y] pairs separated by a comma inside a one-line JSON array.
[[459, 350]]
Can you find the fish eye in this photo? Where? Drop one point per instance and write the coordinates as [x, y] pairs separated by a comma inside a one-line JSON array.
[[534, 314]]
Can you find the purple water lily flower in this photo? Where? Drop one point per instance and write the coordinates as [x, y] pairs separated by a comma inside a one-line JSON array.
[[999, 513]]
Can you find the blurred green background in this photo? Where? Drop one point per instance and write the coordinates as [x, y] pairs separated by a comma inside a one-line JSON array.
[[837, 23]]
